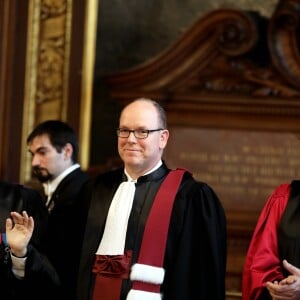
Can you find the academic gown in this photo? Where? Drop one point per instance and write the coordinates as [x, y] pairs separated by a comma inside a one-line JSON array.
[[263, 262], [15, 197], [195, 257], [51, 267], [275, 238], [61, 243]]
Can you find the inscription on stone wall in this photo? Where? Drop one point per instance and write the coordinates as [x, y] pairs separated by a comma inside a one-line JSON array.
[[243, 167]]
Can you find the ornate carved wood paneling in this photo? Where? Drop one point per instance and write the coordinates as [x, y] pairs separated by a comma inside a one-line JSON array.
[[224, 62], [234, 71], [283, 40]]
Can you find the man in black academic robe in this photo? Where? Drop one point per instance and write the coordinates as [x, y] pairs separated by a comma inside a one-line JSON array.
[[193, 264], [195, 257]]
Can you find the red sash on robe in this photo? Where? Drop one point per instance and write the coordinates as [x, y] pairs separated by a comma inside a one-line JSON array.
[[110, 270]]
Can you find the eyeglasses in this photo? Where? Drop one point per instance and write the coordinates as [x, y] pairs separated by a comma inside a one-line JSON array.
[[138, 133]]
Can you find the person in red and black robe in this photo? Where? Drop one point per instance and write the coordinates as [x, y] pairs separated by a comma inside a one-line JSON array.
[[275, 241]]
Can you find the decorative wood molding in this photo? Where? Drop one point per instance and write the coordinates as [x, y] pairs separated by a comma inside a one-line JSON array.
[[283, 39], [232, 64]]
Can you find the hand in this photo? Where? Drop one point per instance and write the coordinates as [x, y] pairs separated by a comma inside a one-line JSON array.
[[289, 287], [19, 229]]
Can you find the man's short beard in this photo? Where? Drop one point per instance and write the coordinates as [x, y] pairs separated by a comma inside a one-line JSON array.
[[41, 174]]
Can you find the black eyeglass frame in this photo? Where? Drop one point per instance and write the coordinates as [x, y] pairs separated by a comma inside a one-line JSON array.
[[143, 131]]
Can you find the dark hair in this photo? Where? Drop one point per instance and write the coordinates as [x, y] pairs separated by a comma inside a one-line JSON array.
[[59, 133]]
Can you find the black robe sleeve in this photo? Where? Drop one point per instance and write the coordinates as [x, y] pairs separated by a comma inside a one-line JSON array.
[[195, 260], [40, 281]]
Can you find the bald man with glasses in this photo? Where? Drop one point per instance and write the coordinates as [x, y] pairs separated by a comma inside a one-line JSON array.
[[138, 244]]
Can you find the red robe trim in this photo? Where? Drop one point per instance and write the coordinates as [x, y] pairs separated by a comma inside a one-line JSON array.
[[262, 261]]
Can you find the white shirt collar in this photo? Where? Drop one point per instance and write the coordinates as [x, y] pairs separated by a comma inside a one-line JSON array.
[[155, 168], [50, 186], [150, 171]]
